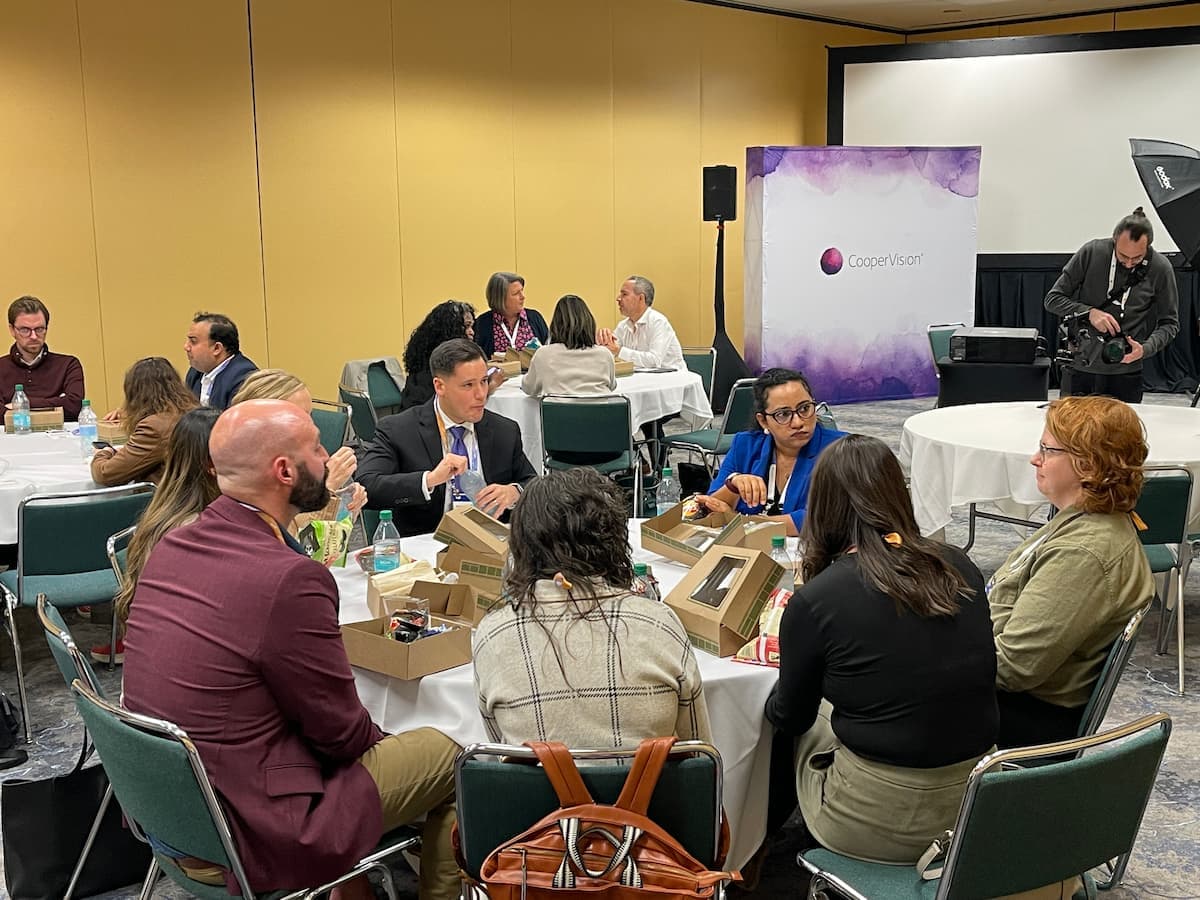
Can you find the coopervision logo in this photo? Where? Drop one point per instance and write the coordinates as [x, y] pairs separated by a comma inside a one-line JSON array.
[[832, 261]]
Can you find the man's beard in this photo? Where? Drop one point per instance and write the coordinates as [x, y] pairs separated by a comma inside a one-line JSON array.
[[309, 493]]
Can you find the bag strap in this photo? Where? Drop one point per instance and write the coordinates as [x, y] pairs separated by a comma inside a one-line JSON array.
[[933, 860], [643, 775], [561, 771]]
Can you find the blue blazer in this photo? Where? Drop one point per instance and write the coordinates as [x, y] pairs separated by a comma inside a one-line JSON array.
[[484, 326], [227, 382], [751, 454]]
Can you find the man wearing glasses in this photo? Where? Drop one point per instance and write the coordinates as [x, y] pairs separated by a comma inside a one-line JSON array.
[[1123, 302], [50, 379]]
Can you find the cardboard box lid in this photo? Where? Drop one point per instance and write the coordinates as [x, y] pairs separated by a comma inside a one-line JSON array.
[[452, 602], [113, 432], [482, 571], [668, 534], [474, 529], [624, 367], [720, 599], [368, 647], [522, 356], [44, 419]]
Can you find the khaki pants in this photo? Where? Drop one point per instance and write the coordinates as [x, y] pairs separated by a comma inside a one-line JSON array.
[[869, 810], [414, 772]]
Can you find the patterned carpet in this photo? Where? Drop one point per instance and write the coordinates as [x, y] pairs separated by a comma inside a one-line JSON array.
[[1165, 863]]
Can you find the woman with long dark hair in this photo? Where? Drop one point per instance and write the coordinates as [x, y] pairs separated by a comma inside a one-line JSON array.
[[155, 398], [572, 363], [886, 666], [445, 322], [188, 484], [574, 655]]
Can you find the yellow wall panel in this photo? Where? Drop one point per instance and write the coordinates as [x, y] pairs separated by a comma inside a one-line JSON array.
[[455, 132], [323, 87], [1168, 17], [47, 245], [563, 56], [807, 44], [171, 138], [656, 161]]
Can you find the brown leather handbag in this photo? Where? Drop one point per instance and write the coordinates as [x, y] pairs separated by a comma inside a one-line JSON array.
[[594, 850]]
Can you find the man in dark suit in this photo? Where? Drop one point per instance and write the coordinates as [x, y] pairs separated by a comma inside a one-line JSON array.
[[416, 464], [218, 367], [233, 635]]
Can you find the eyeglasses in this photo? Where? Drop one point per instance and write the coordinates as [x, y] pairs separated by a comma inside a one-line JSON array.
[[40, 331], [1045, 450], [784, 416]]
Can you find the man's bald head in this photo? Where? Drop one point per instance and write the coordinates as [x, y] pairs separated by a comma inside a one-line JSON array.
[[250, 437]]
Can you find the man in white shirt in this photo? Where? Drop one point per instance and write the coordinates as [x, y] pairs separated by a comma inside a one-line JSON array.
[[425, 457], [218, 366], [645, 336]]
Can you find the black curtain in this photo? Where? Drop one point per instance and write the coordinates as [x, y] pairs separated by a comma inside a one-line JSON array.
[[1010, 290]]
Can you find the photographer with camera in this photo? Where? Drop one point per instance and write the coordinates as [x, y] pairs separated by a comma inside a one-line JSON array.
[[1126, 305]]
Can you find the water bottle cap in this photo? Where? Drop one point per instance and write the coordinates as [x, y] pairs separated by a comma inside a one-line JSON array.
[[87, 402], [385, 515], [666, 472], [778, 541], [639, 568], [20, 387]]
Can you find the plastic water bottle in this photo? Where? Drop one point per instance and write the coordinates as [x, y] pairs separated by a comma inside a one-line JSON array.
[[668, 492], [387, 544], [20, 411], [644, 582], [779, 553], [87, 429]]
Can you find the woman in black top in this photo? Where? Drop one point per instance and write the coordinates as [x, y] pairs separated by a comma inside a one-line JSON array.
[[887, 667]]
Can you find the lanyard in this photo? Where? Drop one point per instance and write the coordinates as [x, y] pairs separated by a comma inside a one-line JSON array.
[[1112, 277], [511, 335], [775, 499], [472, 452]]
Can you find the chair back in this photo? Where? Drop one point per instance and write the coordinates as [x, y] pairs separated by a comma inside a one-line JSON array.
[[1010, 834], [67, 533], [117, 550], [576, 429], [382, 389], [67, 656], [160, 782], [1110, 675], [739, 409], [370, 521], [939, 338], [362, 414], [1164, 504], [498, 800], [333, 423], [702, 361]]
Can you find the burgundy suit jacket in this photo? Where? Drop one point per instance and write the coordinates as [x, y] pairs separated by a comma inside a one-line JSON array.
[[233, 635]]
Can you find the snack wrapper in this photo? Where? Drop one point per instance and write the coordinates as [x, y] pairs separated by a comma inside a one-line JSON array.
[[764, 649], [327, 542]]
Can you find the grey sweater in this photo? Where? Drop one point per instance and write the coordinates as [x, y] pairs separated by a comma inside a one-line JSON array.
[[1151, 315]]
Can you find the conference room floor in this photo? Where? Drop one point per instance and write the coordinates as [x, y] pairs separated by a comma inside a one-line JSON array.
[[1166, 861]]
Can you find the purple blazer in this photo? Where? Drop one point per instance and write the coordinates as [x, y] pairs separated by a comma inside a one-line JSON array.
[[233, 636]]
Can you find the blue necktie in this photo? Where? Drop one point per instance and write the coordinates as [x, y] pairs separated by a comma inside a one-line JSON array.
[[458, 446]]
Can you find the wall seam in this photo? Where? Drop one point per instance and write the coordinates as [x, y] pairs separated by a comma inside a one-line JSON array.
[[396, 153], [512, 137], [262, 243]]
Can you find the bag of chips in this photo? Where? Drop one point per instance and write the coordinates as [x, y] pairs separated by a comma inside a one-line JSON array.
[[764, 649]]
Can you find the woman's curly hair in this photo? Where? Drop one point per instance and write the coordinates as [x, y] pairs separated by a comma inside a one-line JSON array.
[[1107, 445], [445, 322]]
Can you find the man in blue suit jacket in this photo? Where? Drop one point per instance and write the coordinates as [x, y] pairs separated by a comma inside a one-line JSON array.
[[218, 367]]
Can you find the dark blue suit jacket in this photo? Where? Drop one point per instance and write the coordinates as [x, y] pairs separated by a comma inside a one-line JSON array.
[[227, 382], [751, 454]]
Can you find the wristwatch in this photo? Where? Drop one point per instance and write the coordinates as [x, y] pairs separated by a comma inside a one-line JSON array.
[[729, 485]]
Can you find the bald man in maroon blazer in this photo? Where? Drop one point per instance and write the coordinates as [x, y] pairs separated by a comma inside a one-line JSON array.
[[233, 634]]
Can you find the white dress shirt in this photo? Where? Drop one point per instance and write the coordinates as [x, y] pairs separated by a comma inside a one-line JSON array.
[[472, 443], [650, 342], [207, 379]]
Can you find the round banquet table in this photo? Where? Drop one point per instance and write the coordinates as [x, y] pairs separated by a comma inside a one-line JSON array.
[[980, 453], [735, 694], [37, 463], [652, 395]]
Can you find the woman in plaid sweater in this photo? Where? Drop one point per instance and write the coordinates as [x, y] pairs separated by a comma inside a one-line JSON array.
[[574, 655]]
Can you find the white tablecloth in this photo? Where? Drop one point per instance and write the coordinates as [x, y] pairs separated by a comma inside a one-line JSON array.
[[735, 694], [652, 395], [36, 464], [980, 453]]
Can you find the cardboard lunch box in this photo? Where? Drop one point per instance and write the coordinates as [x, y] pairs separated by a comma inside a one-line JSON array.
[[624, 367], [510, 367], [48, 419], [474, 529], [453, 602], [481, 571], [369, 647], [113, 432], [719, 601], [524, 357], [670, 536]]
